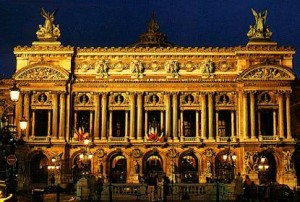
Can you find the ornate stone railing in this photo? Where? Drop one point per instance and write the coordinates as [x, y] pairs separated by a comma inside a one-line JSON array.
[[118, 139], [268, 138], [39, 139], [188, 139], [178, 191]]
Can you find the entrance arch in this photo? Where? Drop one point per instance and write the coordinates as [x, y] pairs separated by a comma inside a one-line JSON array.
[[152, 168], [268, 175], [80, 168], [188, 167], [224, 169], [118, 169], [39, 168]]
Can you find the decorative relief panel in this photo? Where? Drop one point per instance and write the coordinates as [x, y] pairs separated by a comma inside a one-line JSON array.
[[154, 99], [118, 100], [41, 99], [266, 98], [137, 69], [42, 73], [268, 73], [225, 66], [84, 99], [172, 68], [225, 98], [190, 100]]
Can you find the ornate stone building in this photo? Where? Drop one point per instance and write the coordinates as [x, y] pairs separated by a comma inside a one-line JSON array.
[[154, 107]]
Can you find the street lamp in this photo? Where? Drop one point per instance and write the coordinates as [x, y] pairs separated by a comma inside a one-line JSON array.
[[85, 156], [229, 159], [263, 167], [14, 93]]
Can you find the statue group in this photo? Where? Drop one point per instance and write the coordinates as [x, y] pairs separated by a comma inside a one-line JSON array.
[[260, 30]]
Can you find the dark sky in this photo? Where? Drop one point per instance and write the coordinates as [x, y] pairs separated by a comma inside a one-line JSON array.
[[106, 23]]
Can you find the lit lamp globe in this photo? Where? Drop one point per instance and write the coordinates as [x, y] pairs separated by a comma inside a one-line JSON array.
[[23, 124], [14, 93]]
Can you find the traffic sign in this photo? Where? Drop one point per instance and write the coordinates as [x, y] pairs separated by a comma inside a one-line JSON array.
[[11, 159]]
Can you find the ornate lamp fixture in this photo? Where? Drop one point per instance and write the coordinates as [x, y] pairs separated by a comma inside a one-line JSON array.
[[229, 160], [86, 155], [14, 93]]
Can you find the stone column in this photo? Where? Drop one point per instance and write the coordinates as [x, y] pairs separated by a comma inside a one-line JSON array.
[[175, 116], [146, 122], [168, 115], [162, 122], [33, 124], [110, 125], [203, 116], [181, 126], [27, 113], [91, 124], [197, 126], [62, 115], [104, 116], [69, 126], [49, 125], [19, 115], [217, 126], [126, 125], [233, 137], [252, 114], [97, 117], [280, 115], [259, 122], [132, 116], [245, 117], [210, 116], [140, 115], [274, 123], [55, 116], [288, 116]]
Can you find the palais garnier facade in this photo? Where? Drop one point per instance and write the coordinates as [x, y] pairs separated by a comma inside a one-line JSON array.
[[153, 108]]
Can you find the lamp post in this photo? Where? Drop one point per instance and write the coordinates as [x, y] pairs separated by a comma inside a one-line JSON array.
[[86, 156], [229, 159], [263, 167]]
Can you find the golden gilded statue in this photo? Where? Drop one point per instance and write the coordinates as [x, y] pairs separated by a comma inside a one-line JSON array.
[[48, 32], [259, 30]]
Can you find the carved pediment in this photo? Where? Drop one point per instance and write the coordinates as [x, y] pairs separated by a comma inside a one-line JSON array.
[[267, 72], [41, 72]]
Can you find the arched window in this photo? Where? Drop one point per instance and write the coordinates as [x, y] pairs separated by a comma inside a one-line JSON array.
[[118, 169], [188, 167]]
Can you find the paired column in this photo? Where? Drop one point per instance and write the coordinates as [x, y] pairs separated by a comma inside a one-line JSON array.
[[203, 116], [280, 115], [245, 117], [132, 116], [97, 117], [62, 115], [252, 114], [104, 116], [168, 115], [288, 116], [55, 115], [139, 115], [210, 116], [175, 116]]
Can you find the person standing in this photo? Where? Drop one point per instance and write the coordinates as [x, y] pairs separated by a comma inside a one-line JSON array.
[[238, 188], [247, 188]]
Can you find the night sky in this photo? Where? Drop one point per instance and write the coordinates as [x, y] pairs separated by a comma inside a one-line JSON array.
[[107, 23]]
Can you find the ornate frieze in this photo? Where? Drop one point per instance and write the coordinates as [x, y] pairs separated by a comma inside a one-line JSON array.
[[82, 99], [39, 72]]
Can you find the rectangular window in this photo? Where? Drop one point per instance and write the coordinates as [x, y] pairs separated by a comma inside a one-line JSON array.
[[41, 123]]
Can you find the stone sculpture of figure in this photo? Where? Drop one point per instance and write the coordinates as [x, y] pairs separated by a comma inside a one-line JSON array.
[[137, 167], [101, 67], [259, 30], [288, 166], [260, 19], [49, 31]]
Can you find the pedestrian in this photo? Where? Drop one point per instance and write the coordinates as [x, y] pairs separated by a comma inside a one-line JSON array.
[[100, 183], [166, 182], [238, 187], [247, 188]]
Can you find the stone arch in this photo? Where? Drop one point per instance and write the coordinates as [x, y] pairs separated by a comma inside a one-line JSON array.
[[223, 171], [189, 166], [77, 167], [267, 72], [42, 71], [38, 166], [117, 166], [274, 160], [153, 165]]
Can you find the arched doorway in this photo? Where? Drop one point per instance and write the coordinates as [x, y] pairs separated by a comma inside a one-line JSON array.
[[188, 167], [225, 167], [39, 168], [118, 169], [80, 168], [268, 175], [153, 168]]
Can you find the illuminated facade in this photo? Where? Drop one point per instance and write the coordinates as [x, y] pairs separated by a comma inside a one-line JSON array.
[[154, 107]]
